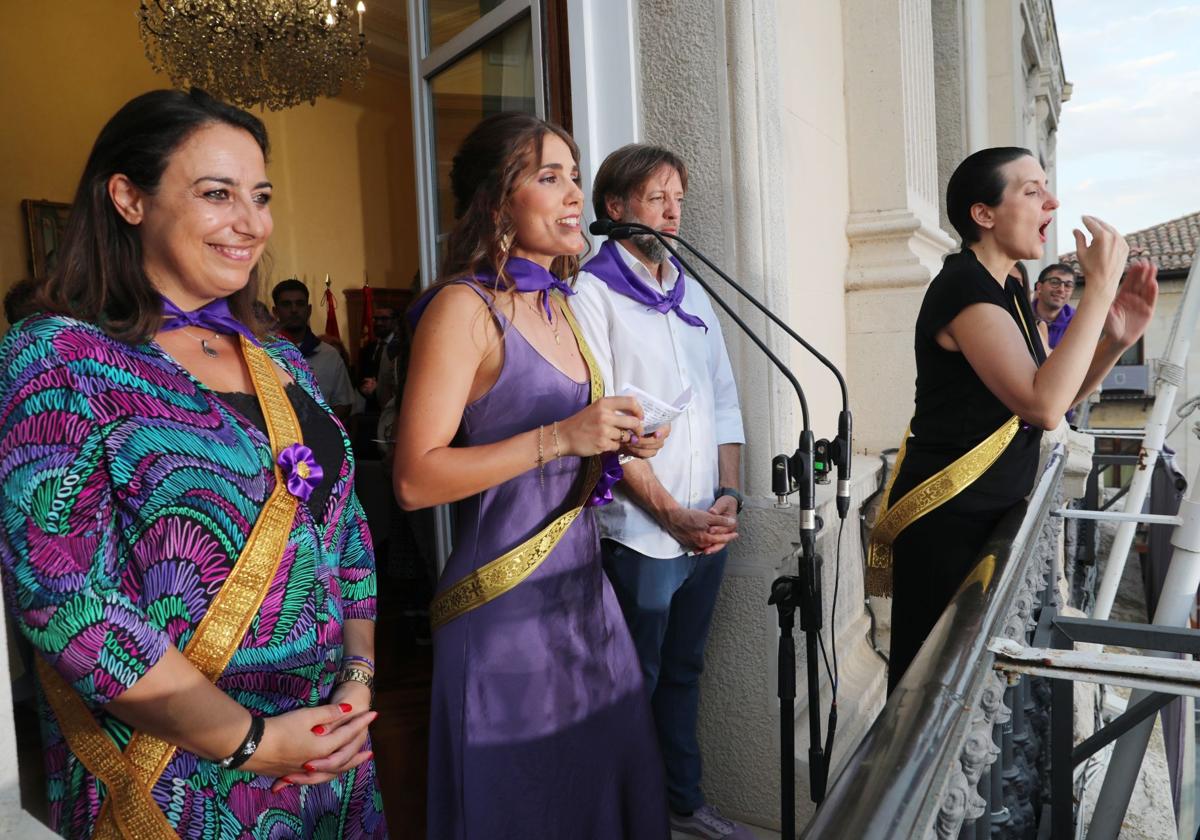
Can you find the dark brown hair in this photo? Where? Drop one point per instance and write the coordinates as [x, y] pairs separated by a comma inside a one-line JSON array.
[[626, 169], [292, 284], [978, 180], [1057, 268], [495, 159], [99, 276]]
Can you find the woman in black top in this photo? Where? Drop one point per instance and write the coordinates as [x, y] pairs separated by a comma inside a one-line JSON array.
[[980, 361]]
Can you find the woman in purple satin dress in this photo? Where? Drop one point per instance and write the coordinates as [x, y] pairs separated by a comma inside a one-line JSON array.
[[540, 724]]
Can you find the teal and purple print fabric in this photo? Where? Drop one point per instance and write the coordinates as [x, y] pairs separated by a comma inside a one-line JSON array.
[[127, 491]]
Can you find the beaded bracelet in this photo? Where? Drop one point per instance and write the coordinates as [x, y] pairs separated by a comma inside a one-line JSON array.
[[557, 448], [370, 663], [541, 459]]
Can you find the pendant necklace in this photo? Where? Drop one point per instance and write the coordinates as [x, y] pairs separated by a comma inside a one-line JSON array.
[[537, 312], [208, 349]]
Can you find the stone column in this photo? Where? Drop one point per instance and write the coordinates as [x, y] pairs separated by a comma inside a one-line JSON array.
[[896, 242], [710, 90]]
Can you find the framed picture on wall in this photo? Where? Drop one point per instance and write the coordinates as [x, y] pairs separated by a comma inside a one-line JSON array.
[[45, 221]]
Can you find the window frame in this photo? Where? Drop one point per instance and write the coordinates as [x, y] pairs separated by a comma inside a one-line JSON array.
[[424, 65]]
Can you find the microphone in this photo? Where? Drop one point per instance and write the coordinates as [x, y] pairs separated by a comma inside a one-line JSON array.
[[808, 517], [611, 229], [841, 448]]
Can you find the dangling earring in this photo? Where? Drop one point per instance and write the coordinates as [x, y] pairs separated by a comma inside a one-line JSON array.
[[505, 244]]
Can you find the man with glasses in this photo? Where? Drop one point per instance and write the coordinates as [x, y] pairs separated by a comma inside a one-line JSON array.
[[1053, 289]]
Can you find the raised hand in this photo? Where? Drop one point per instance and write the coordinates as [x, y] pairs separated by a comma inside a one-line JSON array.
[[1133, 307], [1103, 260]]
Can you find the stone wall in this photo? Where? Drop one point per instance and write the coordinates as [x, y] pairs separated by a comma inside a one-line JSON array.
[[711, 89]]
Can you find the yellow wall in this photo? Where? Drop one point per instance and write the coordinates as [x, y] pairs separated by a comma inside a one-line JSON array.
[[342, 169]]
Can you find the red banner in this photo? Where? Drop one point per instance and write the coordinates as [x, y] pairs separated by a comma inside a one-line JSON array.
[[331, 324]]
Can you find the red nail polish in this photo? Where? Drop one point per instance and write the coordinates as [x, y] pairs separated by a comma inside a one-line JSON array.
[[318, 730], [370, 754], [309, 767], [346, 707]]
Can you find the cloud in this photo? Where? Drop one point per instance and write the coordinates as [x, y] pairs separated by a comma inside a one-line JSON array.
[[1111, 103], [1117, 21], [1127, 139], [1144, 62]]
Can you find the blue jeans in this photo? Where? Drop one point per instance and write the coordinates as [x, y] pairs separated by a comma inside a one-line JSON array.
[[668, 605]]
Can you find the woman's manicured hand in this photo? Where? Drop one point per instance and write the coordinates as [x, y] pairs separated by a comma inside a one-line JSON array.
[[646, 446], [326, 738], [604, 426]]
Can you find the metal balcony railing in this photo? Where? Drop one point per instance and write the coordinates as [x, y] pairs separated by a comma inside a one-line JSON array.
[[959, 750]]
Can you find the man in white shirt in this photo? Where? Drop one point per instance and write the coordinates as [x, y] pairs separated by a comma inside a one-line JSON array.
[[293, 312], [664, 535]]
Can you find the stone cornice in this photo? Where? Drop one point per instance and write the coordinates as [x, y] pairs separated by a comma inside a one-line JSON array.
[[892, 249]]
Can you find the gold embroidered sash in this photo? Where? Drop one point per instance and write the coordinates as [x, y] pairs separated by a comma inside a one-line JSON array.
[[931, 493], [498, 576], [129, 810]]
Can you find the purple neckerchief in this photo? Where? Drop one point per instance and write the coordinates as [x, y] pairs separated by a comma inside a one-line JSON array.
[[214, 316], [1058, 326], [526, 276], [618, 276]]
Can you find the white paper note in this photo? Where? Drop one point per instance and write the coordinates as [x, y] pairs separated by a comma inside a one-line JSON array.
[[656, 412]]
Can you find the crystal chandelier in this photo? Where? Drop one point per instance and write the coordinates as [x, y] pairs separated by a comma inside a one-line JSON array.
[[276, 53]]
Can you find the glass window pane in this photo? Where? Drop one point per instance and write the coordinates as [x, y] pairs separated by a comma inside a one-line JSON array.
[[1133, 355], [449, 17], [496, 77]]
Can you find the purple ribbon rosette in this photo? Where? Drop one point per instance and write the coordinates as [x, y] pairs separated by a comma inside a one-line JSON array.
[[610, 474], [301, 472]]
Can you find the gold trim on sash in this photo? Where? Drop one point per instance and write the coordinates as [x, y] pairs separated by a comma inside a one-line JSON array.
[[129, 810], [136, 814], [498, 576], [929, 495], [933, 492]]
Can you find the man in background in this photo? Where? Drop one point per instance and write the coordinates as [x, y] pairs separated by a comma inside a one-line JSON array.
[[372, 370], [1054, 288], [293, 311]]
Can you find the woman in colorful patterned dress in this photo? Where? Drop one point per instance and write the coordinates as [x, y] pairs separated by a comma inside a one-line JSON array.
[[179, 535], [540, 726]]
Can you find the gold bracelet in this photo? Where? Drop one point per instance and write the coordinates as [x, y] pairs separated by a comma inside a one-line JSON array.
[[358, 675], [557, 448], [541, 460]]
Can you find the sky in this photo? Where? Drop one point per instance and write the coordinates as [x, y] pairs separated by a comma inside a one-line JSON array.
[[1129, 138]]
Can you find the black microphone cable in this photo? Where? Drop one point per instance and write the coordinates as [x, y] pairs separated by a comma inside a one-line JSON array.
[[623, 230]]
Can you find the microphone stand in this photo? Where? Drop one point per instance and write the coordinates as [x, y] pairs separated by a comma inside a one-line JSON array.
[[839, 449], [788, 592]]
